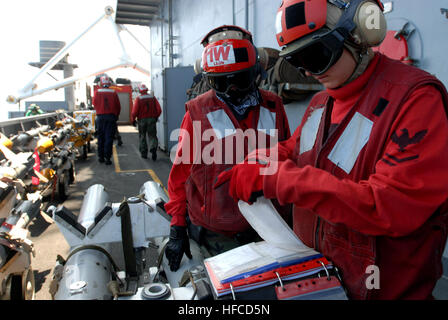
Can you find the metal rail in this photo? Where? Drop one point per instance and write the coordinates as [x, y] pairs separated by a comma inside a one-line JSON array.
[[31, 90]]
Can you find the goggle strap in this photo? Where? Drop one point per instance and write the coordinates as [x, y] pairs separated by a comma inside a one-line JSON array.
[[340, 4], [346, 20]]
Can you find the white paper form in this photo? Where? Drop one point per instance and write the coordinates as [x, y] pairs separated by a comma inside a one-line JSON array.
[[238, 260], [271, 227], [280, 243]]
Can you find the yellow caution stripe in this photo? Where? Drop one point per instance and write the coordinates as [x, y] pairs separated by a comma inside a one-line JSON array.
[[151, 173]]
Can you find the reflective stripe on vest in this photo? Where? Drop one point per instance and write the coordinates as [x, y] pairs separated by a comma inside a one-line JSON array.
[[223, 126], [106, 90], [146, 96], [266, 121], [351, 142], [310, 129], [221, 123]]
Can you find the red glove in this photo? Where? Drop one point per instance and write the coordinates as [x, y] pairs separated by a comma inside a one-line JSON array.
[[245, 181]]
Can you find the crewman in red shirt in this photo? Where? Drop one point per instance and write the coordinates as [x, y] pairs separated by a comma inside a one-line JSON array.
[[367, 169], [211, 140], [147, 110], [108, 108]]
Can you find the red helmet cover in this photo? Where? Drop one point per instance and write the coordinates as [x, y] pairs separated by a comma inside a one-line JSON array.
[[142, 88], [229, 55], [105, 81], [298, 18]]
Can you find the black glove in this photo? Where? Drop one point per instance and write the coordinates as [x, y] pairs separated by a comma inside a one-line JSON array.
[[178, 244], [134, 123]]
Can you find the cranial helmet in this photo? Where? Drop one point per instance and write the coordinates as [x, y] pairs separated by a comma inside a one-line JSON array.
[[313, 33], [105, 82], [230, 60], [143, 89]]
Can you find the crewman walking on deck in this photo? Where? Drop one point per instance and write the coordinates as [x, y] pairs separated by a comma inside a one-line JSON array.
[[108, 108], [367, 169], [145, 113], [233, 106]]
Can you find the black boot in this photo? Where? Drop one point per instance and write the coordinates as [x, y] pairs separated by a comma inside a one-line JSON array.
[[154, 154]]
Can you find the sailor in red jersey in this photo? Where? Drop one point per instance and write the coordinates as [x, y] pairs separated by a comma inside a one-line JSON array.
[[147, 110], [234, 105], [367, 169], [108, 108]]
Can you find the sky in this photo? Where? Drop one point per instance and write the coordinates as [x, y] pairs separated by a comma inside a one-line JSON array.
[[23, 23]]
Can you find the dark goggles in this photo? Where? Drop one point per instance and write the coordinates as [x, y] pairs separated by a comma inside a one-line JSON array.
[[320, 55], [241, 81]]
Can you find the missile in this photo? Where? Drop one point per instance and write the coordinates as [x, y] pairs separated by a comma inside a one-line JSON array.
[[7, 199], [21, 215], [16, 250], [24, 139], [5, 141], [18, 165]]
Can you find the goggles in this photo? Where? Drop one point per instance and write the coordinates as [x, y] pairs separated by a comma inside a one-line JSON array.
[[320, 54], [239, 81]]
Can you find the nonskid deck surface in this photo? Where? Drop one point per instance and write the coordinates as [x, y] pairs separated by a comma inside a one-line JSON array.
[[124, 178]]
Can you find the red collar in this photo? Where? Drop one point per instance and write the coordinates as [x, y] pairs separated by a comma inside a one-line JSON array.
[[355, 87]]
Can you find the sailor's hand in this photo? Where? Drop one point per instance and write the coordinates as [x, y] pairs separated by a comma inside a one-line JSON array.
[[245, 181], [178, 244]]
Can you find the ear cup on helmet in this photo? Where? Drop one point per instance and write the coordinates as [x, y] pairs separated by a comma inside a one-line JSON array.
[[369, 21], [371, 25]]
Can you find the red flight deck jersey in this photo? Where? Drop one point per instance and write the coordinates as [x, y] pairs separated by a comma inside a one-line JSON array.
[[106, 101], [367, 172], [145, 106], [191, 185]]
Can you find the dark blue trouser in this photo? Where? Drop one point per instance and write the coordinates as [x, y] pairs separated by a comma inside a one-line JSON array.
[[107, 125]]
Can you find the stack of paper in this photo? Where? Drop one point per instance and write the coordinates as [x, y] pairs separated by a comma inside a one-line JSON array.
[[281, 251], [270, 226], [258, 278], [254, 258]]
